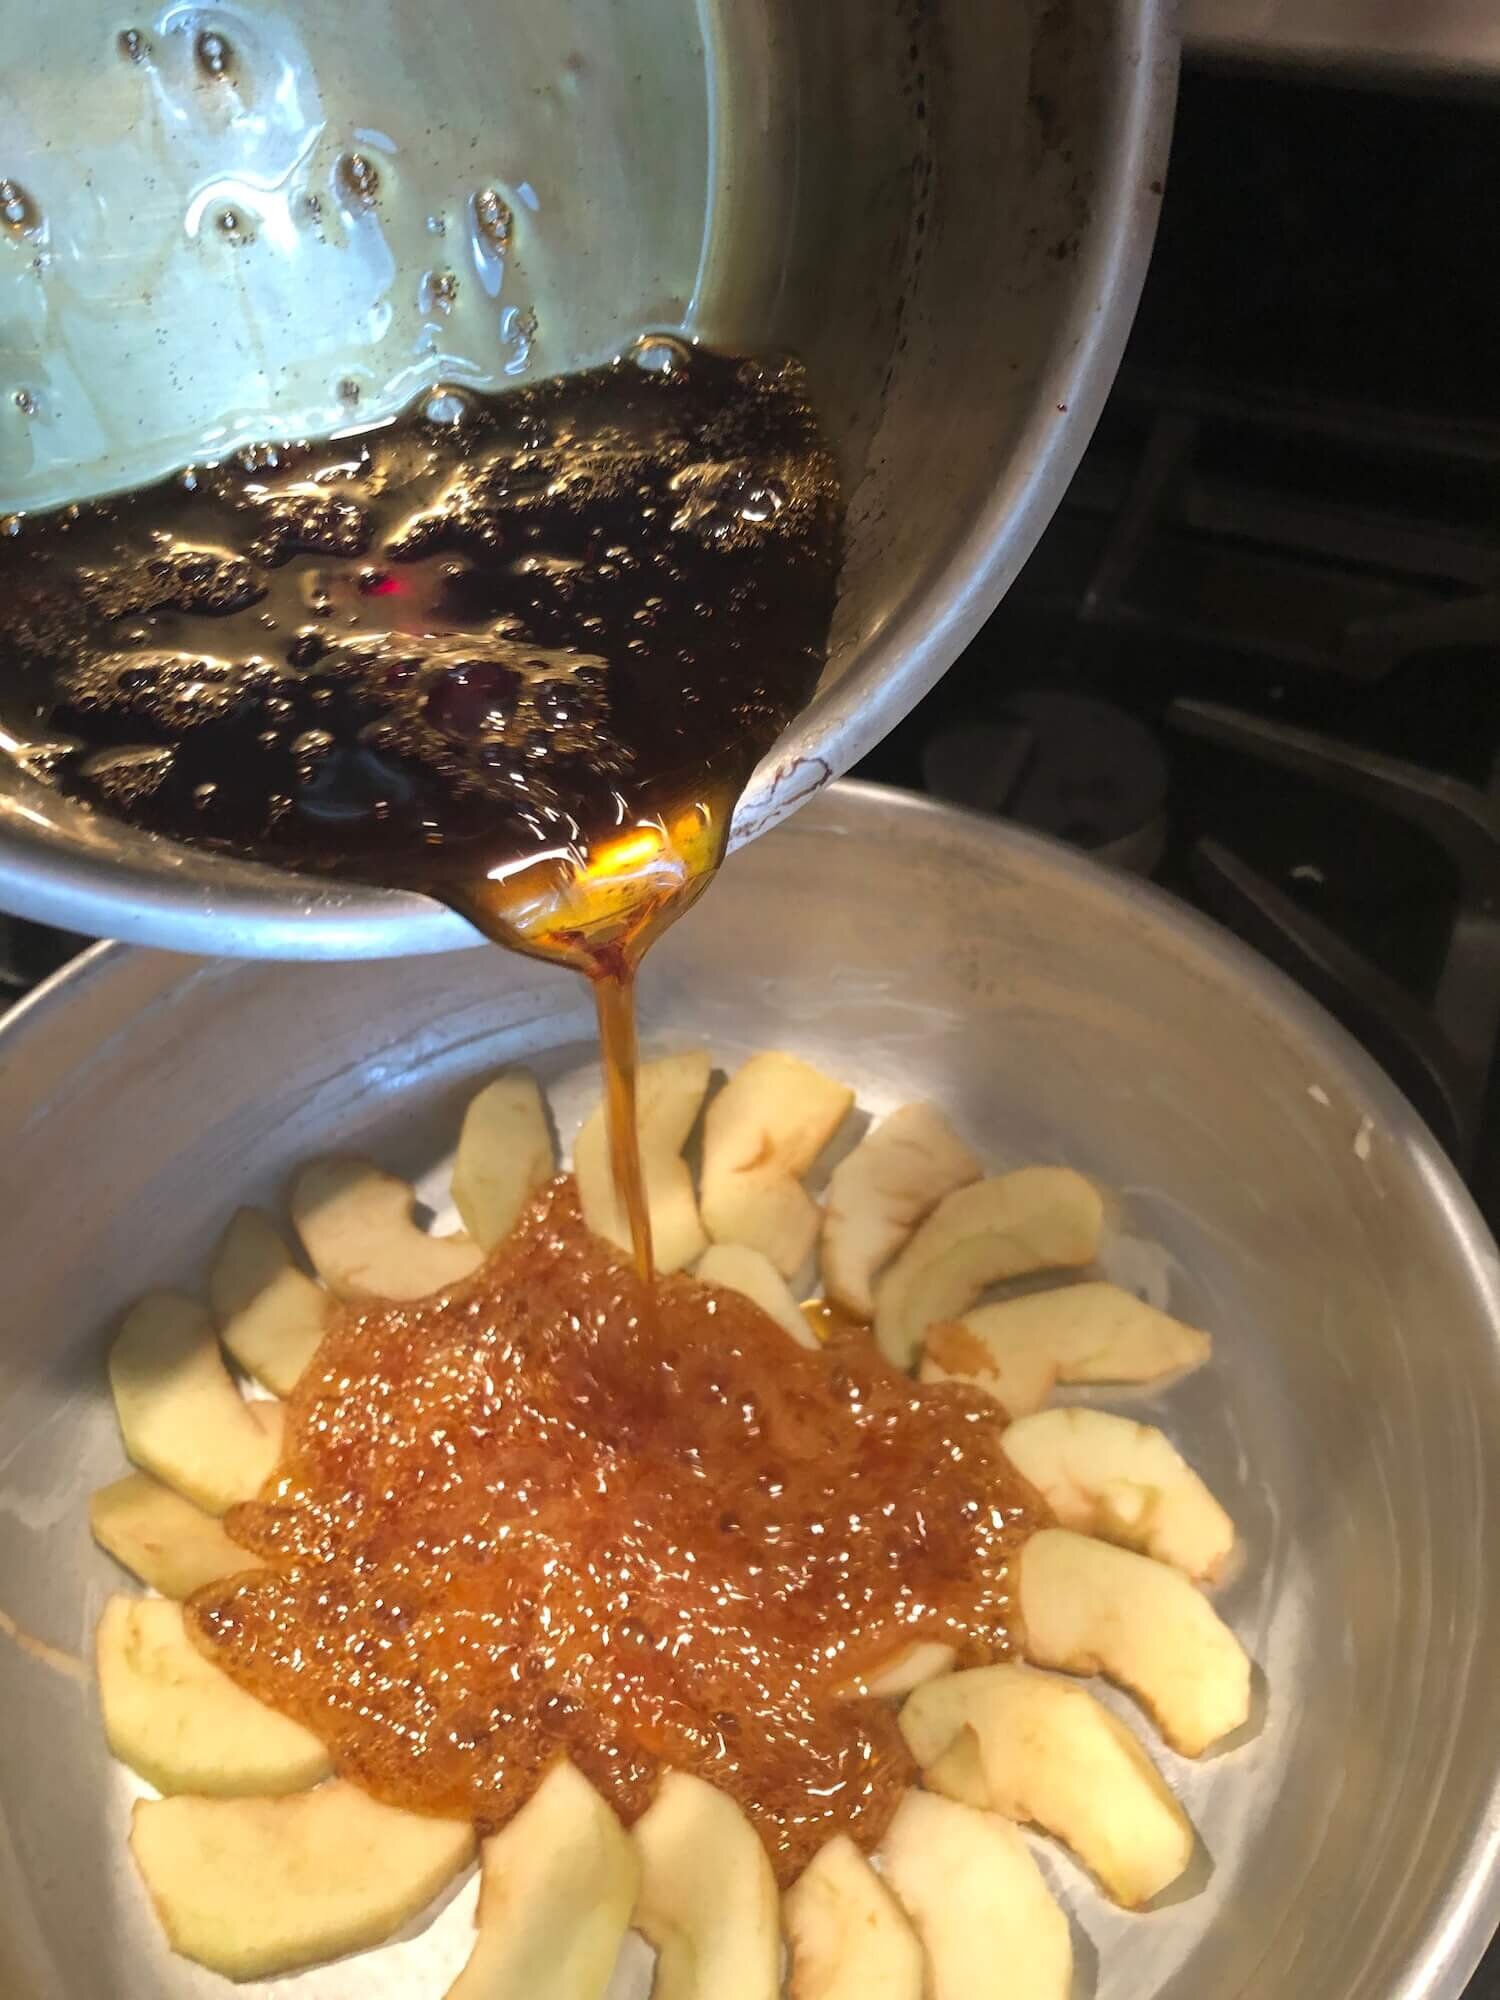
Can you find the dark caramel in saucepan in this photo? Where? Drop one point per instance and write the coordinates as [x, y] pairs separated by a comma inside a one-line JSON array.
[[541, 1516], [466, 652], [520, 652]]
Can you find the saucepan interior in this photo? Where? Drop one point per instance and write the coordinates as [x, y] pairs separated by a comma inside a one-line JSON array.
[[944, 206]]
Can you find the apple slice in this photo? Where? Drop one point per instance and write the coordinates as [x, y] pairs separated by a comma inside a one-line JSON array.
[[180, 1414], [356, 1226], [163, 1539], [180, 1721], [763, 1131], [1124, 1482], [955, 1350], [895, 1176], [849, 1939], [555, 1896], [1037, 1749], [1093, 1332], [271, 1316], [504, 1156], [922, 1661], [737, 1268], [669, 1093], [707, 1897], [1037, 1219], [255, 1887], [1091, 1608], [977, 1901]]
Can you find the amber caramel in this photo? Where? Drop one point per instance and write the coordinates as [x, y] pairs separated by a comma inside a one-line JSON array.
[[547, 1513]]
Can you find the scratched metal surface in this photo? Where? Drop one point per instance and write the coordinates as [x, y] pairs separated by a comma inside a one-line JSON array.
[[1270, 1185]]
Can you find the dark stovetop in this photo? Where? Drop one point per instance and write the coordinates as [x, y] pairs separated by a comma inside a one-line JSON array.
[[1258, 652]]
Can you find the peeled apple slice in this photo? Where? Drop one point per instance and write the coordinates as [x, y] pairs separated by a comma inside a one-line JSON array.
[[707, 1898], [356, 1226], [1124, 1482], [739, 1269], [848, 1937], [504, 1156], [762, 1133], [1093, 1332], [181, 1416], [977, 1901], [271, 1315], [255, 1887], [180, 1721], [557, 1887], [1091, 1608], [1038, 1219], [955, 1350], [163, 1539], [908, 1669], [669, 1094], [1040, 1750], [895, 1176]]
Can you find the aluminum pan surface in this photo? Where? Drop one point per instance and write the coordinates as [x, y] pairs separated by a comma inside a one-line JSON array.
[[1271, 1184]]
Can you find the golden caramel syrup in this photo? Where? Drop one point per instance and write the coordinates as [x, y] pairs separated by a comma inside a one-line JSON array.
[[831, 1321], [599, 914], [538, 1516], [614, 995]]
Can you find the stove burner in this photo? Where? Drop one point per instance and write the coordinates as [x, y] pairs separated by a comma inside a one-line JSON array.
[[1296, 600], [1440, 1054], [30, 953], [1066, 764]]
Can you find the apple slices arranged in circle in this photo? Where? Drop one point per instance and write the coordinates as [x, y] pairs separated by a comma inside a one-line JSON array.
[[762, 1133], [163, 1539], [1019, 1349], [737, 1268], [1038, 1219], [557, 1888], [669, 1094], [848, 1936], [357, 1228], [894, 1178], [252, 1887], [504, 1155], [980, 1905], [1044, 1751], [1124, 1482], [1094, 1609], [260, 1861], [707, 1897], [270, 1314], [182, 1723], [181, 1416]]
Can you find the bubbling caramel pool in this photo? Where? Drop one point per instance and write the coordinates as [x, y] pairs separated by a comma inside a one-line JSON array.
[[561, 1510]]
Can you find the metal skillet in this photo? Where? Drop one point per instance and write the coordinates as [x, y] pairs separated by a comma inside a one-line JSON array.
[[1270, 1184]]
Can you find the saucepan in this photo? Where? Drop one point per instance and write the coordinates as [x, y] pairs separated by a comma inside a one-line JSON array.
[[1266, 1182], [231, 222]]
